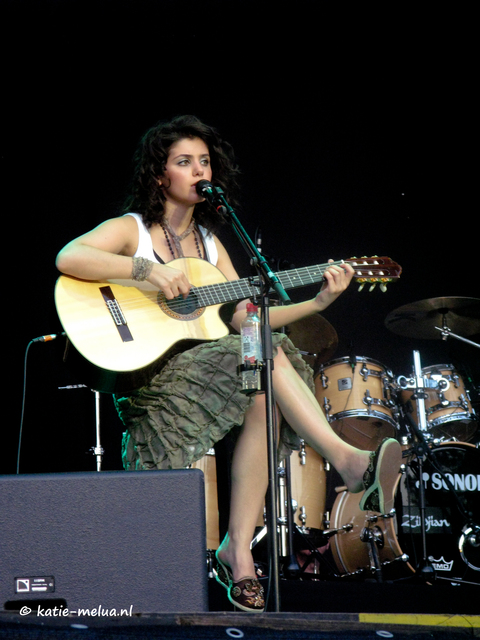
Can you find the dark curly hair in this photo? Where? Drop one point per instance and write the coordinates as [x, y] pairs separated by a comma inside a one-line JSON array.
[[146, 196]]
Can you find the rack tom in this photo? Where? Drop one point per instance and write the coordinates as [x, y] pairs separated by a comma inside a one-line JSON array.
[[448, 410], [357, 395]]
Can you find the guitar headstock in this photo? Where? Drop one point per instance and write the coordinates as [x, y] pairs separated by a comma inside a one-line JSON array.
[[375, 270]]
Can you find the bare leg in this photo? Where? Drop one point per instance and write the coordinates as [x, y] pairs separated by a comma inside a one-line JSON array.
[[249, 486], [250, 469], [304, 414]]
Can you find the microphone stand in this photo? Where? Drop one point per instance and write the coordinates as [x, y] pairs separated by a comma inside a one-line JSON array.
[[268, 280]]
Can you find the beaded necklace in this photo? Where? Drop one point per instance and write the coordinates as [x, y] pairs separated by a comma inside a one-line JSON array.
[[177, 239]]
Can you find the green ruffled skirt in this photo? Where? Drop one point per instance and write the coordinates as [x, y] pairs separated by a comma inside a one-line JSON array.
[[193, 403]]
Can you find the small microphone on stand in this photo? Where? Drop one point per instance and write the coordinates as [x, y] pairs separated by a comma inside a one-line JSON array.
[[49, 337], [352, 358], [258, 240]]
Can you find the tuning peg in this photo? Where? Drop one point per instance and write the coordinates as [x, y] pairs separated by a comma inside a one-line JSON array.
[[383, 287], [373, 286], [360, 288]]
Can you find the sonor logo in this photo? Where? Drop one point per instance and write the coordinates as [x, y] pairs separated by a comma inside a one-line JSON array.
[[441, 564], [460, 481]]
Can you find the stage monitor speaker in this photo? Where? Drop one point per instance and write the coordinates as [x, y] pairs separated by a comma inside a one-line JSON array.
[[130, 542]]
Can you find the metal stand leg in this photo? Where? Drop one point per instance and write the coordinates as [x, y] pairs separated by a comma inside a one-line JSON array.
[[97, 449]]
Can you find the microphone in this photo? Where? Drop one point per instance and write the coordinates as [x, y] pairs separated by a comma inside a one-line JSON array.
[[48, 338], [212, 194], [206, 189]]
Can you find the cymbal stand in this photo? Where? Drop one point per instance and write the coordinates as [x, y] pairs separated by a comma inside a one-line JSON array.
[[446, 333], [97, 450], [417, 383]]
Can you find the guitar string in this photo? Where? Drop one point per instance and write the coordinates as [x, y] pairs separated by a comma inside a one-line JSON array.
[[215, 293], [212, 293]]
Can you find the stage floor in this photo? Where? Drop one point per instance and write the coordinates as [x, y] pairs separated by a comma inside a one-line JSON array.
[[309, 610]]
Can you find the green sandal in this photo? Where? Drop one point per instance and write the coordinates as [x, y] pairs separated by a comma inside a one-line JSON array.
[[246, 594], [381, 476]]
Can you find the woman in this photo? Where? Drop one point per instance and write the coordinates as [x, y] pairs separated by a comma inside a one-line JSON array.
[[195, 400]]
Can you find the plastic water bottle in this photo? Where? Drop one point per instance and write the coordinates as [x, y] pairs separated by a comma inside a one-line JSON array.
[[251, 350]]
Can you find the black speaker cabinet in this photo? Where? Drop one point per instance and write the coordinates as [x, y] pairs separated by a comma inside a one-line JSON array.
[[127, 542]]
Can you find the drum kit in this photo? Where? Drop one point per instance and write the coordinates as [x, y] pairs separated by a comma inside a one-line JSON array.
[[434, 530]]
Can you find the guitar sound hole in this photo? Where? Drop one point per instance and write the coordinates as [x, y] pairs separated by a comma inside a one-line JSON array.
[[181, 308]]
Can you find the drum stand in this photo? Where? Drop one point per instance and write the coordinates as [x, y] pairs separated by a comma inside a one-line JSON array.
[[425, 569]]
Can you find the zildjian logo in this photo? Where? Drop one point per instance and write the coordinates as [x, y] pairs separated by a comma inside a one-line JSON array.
[[414, 522]]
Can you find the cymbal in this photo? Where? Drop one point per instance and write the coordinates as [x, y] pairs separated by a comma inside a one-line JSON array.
[[419, 319], [316, 337]]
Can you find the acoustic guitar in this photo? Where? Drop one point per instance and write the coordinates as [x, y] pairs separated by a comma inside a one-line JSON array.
[[127, 329]]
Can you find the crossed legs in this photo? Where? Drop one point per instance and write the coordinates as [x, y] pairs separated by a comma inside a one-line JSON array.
[[250, 468]]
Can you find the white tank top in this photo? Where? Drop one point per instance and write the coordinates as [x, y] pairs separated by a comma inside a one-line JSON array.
[[145, 246]]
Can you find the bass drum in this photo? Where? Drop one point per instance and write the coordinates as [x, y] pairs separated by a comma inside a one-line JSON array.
[[449, 412], [357, 396], [452, 542]]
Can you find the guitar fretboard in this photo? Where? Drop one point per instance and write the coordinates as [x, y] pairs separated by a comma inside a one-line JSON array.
[[245, 287]]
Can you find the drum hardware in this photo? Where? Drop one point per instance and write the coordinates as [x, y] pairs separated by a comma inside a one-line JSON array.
[[422, 450], [301, 494], [425, 568], [448, 409], [285, 511], [374, 538], [286, 508], [446, 333], [303, 454], [211, 561], [381, 516], [322, 541], [469, 546]]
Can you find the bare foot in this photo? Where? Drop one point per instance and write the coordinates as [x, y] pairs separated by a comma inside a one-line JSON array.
[[352, 472], [239, 561]]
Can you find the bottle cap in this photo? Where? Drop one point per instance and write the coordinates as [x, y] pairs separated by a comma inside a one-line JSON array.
[[251, 307]]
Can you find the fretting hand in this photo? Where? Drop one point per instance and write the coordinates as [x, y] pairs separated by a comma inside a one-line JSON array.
[[337, 279]]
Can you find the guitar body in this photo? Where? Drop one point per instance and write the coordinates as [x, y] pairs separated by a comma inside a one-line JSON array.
[[125, 359]]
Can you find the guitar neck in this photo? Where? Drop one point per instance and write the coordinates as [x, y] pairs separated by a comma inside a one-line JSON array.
[[246, 287]]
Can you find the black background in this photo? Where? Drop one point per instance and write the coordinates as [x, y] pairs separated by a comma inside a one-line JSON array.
[[355, 130]]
